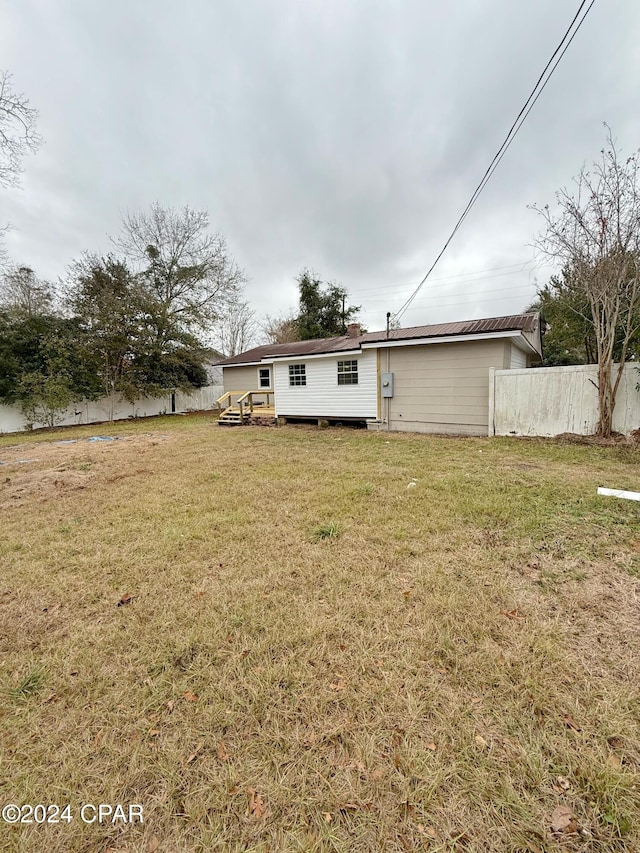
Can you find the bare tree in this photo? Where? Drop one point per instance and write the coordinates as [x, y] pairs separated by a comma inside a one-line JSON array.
[[17, 136], [188, 269], [237, 328], [282, 329], [595, 233], [4, 255], [17, 131], [22, 292]]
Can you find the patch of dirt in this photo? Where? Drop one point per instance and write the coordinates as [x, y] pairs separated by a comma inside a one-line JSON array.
[[616, 439], [601, 603], [43, 485], [49, 469]]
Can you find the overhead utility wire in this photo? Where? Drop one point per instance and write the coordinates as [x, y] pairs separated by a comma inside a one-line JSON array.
[[472, 275], [515, 127], [442, 282]]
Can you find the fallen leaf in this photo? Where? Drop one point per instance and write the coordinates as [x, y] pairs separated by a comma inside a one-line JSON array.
[[376, 775], [571, 723], [432, 746], [256, 807], [563, 783], [481, 741], [563, 819], [234, 790], [459, 834], [170, 704], [406, 843], [154, 732], [476, 700], [327, 816], [513, 614], [200, 594], [153, 845], [337, 685], [126, 599], [223, 755], [189, 696], [614, 761], [195, 753], [427, 830]]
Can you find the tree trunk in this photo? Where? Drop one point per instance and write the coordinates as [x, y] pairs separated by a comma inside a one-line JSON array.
[[606, 401]]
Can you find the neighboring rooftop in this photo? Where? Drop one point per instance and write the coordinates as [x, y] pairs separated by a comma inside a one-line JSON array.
[[512, 323]]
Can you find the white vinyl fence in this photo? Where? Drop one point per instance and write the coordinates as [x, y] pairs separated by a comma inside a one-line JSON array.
[[548, 401], [95, 411]]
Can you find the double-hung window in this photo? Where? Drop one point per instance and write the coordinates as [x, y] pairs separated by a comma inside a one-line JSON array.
[[264, 377], [348, 372], [297, 374]]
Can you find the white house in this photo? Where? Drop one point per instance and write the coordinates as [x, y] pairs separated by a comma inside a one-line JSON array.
[[423, 379]]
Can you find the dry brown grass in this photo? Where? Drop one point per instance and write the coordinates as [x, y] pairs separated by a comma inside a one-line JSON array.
[[377, 666]]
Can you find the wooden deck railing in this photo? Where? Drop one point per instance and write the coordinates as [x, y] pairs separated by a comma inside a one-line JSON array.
[[250, 394], [245, 400]]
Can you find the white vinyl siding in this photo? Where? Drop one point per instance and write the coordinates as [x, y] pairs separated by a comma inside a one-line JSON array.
[[518, 358], [322, 397]]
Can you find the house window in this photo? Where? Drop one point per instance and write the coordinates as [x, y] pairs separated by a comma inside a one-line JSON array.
[[264, 377], [297, 374], [348, 372]]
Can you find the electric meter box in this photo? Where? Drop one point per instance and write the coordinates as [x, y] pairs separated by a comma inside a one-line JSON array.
[[386, 384]]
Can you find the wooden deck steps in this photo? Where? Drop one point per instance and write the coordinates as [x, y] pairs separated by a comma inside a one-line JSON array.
[[232, 417], [260, 416]]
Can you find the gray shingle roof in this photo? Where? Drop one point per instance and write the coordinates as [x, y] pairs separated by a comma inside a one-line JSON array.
[[514, 322]]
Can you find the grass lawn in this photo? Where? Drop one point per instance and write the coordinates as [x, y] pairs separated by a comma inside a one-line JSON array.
[[327, 640]]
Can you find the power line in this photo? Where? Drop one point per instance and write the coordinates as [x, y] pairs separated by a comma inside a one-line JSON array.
[[436, 283], [513, 131], [481, 298], [471, 274], [462, 296], [449, 282]]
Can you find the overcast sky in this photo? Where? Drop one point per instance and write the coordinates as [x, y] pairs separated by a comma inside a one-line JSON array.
[[341, 135]]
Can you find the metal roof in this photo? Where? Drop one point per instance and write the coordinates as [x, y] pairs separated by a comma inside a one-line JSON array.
[[512, 323]]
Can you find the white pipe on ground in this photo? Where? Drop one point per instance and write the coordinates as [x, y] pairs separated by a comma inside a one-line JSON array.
[[618, 493]]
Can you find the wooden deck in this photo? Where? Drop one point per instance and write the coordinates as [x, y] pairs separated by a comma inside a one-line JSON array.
[[244, 408]]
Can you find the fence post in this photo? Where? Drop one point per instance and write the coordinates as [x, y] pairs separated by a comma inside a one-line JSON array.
[[492, 401]]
